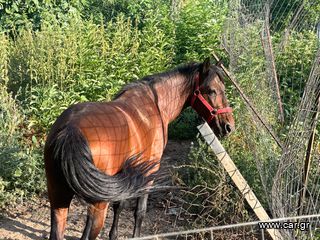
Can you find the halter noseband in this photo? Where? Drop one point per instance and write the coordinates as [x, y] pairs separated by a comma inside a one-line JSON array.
[[201, 105]]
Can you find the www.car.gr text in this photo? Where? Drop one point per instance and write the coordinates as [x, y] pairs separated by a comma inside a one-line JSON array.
[[303, 226]]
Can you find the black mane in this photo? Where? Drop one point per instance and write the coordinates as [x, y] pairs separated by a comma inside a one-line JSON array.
[[188, 70]]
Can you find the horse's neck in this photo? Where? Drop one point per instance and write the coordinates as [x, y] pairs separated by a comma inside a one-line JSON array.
[[172, 96]]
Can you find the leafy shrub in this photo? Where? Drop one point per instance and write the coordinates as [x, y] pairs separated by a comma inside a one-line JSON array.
[[199, 28], [293, 68], [4, 45], [185, 126], [82, 61], [21, 170], [18, 14]]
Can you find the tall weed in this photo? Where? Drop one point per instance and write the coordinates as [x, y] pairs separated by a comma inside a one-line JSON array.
[[82, 61]]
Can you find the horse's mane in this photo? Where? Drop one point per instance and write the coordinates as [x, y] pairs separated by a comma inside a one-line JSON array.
[[187, 70]]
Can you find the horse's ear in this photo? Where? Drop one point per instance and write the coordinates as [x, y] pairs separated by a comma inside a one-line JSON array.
[[206, 65]]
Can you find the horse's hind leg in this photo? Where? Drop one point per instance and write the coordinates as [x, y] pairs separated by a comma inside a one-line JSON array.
[[95, 220], [139, 214], [60, 198], [58, 223], [117, 208]]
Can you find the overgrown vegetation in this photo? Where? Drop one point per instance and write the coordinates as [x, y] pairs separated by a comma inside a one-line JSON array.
[[53, 54]]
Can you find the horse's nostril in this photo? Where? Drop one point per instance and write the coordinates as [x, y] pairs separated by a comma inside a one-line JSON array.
[[228, 128]]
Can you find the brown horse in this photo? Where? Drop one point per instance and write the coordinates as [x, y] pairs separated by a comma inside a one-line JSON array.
[[110, 151]]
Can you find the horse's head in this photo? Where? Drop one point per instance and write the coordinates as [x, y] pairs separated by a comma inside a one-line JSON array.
[[209, 98]]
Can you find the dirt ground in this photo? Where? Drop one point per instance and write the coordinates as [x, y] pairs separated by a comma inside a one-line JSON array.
[[31, 219]]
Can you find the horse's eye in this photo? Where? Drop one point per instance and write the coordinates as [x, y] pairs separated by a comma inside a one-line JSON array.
[[212, 92]]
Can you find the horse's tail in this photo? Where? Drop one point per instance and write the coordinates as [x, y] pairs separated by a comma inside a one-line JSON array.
[[72, 151]]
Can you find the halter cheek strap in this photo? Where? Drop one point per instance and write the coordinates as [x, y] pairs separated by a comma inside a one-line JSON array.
[[201, 105]]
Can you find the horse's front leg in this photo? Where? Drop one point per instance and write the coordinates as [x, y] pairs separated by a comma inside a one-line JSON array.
[[117, 208], [139, 214], [95, 220]]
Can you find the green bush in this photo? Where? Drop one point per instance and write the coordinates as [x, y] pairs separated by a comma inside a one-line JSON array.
[[20, 165], [18, 14], [185, 126], [82, 61], [198, 29], [293, 68]]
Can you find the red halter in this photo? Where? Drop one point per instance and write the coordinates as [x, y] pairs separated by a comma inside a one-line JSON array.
[[202, 107]]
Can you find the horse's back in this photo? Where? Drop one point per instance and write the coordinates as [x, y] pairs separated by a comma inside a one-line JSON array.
[[115, 131]]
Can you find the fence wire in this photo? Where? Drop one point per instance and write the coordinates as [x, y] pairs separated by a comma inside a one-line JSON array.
[[299, 223], [257, 38], [289, 179]]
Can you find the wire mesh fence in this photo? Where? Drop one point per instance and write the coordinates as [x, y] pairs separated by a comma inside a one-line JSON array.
[[259, 38], [258, 35], [249, 230]]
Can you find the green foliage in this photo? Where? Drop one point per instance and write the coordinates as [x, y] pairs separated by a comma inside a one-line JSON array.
[[4, 45], [21, 170], [18, 14], [283, 12], [20, 166], [136, 10], [293, 67], [199, 28], [82, 61], [185, 126], [109, 9]]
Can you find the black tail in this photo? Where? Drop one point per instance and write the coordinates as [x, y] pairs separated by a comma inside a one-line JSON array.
[[71, 149]]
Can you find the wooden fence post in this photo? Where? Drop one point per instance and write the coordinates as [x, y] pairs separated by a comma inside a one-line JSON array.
[[236, 177]]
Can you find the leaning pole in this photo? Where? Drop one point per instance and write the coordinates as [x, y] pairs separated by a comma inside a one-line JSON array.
[[236, 177]]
